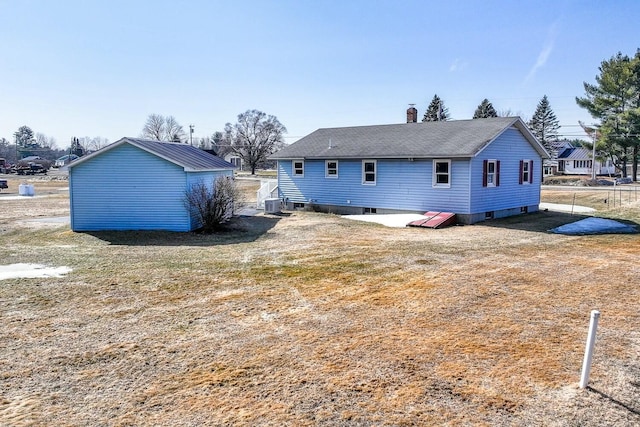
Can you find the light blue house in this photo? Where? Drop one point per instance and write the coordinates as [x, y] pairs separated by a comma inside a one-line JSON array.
[[478, 169], [136, 184]]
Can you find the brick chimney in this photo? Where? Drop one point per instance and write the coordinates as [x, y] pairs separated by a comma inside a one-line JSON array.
[[412, 114]]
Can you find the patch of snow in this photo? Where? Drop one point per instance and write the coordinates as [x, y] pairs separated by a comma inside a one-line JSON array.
[[557, 207], [594, 226], [30, 271], [390, 220]]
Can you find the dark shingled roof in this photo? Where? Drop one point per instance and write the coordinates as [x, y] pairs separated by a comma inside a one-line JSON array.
[[189, 157], [459, 138]]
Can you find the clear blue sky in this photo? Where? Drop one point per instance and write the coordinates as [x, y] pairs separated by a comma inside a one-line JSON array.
[[99, 68]]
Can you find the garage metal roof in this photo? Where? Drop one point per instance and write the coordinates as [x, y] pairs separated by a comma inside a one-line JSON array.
[[191, 158]]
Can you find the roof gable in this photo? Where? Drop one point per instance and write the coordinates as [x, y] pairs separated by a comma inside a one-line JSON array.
[[460, 138], [192, 159]]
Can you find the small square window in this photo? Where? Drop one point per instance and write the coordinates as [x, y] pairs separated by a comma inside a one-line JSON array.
[[298, 168], [331, 169]]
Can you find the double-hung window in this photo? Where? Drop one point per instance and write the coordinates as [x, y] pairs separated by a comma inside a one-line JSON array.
[[491, 173], [369, 171], [331, 169], [442, 173], [298, 168], [526, 171]]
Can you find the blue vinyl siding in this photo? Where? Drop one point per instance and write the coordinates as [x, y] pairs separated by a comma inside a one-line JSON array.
[[509, 148], [127, 188], [400, 185]]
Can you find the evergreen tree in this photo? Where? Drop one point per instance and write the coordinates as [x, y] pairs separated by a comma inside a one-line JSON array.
[[484, 110], [25, 138], [436, 111], [544, 125], [615, 101]]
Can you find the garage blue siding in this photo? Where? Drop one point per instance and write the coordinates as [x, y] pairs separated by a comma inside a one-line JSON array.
[[510, 148], [400, 185], [127, 188]]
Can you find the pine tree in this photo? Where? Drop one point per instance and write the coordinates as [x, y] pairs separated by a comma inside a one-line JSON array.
[[484, 110], [544, 125], [615, 100], [436, 111]]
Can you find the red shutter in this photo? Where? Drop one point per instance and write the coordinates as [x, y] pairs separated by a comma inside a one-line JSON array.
[[521, 170], [530, 171], [497, 173], [485, 168]]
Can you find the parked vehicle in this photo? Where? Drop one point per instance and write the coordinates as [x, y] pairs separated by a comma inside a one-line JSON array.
[[32, 165], [5, 167]]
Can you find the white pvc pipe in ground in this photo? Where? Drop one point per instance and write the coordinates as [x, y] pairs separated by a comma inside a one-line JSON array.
[[588, 351]]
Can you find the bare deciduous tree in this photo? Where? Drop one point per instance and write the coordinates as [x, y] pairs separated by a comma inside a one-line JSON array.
[[160, 128], [154, 127], [173, 130], [254, 137]]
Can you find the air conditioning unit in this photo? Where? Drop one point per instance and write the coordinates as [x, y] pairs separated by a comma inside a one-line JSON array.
[[272, 206]]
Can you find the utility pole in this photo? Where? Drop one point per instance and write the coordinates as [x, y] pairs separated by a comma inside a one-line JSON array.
[[191, 135], [593, 133]]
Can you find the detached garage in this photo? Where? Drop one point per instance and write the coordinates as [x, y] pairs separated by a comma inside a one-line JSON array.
[[137, 184]]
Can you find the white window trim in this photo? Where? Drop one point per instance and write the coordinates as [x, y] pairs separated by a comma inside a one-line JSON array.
[[495, 172], [375, 172], [525, 164], [326, 169], [293, 168], [434, 177]]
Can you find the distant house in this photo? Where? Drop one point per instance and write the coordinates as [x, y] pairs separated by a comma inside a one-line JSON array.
[[478, 169], [235, 160], [579, 161], [136, 184]]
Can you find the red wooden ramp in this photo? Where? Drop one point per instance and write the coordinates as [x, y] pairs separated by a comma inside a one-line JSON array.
[[435, 220]]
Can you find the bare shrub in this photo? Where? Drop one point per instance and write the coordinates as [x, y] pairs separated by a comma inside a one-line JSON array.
[[214, 204]]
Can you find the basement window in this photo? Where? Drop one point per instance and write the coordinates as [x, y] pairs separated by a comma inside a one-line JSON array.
[[370, 210]]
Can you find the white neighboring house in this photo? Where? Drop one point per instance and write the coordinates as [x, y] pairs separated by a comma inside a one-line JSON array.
[[235, 160], [578, 161]]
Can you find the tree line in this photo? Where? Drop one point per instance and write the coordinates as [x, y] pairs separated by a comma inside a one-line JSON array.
[[27, 143], [543, 124], [613, 100]]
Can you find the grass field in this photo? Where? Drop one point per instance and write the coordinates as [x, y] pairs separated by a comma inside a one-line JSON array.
[[311, 319]]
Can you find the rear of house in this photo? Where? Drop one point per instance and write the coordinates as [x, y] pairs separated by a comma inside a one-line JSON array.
[[478, 169], [135, 184]]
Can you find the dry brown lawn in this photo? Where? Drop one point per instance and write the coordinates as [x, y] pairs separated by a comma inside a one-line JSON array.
[[311, 319]]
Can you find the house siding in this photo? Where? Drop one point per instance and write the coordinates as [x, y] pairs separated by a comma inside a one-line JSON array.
[[127, 188], [401, 185], [509, 148]]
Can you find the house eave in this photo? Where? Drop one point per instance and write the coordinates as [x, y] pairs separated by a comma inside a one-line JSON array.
[[394, 157]]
